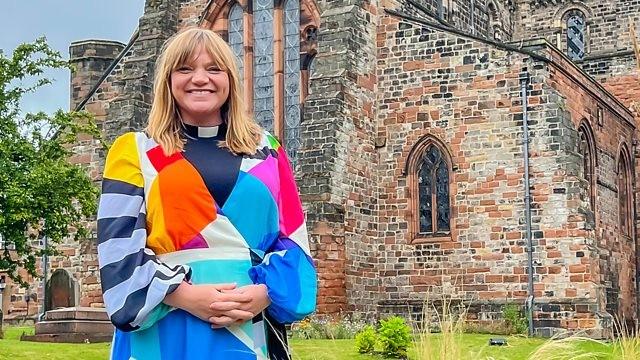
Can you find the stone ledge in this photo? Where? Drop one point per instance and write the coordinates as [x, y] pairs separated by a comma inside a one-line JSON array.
[[77, 313], [73, 327]]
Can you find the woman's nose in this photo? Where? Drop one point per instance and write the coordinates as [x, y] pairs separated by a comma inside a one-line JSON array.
[[200, 76]]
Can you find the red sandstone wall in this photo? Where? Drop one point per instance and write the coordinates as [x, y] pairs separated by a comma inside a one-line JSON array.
[[466, 94], [616, 273]]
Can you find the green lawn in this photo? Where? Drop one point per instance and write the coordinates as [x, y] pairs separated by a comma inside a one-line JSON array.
[[473, 346], [11, 348]]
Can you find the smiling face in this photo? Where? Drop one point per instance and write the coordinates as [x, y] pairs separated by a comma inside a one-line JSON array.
[[200, 88]]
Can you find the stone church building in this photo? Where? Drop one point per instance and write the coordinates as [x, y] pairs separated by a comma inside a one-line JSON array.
[[406, 123]]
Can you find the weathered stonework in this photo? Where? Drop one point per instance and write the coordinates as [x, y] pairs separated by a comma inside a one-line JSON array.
[[382, 86], [466, 94]]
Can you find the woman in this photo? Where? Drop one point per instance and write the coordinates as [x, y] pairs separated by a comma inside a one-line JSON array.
[[203, 248]]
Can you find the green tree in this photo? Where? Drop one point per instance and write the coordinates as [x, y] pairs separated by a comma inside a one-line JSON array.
[[41, 192]]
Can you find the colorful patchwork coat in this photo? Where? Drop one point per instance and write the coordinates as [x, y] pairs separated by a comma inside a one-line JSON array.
[[205, 216]]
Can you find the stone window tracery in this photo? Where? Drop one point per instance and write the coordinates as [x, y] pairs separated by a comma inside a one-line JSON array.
[[587, 150], [440, 10], [429, 175], [270, 38], [263, 64], [576, 34], [625, 212], [495, 27], [292, 78], [236, 35], [433, 190]]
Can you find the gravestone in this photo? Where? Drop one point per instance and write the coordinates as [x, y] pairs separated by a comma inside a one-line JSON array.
[[73, 325], [62, 291], [64, 321]]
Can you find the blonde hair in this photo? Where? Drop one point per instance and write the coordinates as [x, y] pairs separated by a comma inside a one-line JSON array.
[[243, 133]]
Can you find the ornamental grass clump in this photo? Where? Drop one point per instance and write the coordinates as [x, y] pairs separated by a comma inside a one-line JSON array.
[[627, 346], [449, 324], [566, 349]]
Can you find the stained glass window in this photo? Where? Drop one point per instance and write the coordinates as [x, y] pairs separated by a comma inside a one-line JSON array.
[[236, 41], [624, 194], [281, 36], [292, 78], [587, 164], [576, 35], [263, 69], [442, 196], [433, 192]]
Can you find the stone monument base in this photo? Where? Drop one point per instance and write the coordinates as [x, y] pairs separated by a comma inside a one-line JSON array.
[[73, 325]]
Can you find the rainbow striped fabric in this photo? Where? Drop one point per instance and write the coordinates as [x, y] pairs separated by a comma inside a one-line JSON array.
[[159, 224]]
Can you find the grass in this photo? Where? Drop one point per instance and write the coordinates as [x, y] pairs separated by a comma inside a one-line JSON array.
[[11, 348], [471, 346], [327, 350]]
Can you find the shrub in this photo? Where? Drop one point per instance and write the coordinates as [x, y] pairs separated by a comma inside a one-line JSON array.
[[395, 337], [326, 328], [515, 319], [306, 329], [366, 340]]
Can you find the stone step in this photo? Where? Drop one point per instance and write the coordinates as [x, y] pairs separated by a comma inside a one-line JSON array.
[[73, 326], [77, 313], [69, 338]]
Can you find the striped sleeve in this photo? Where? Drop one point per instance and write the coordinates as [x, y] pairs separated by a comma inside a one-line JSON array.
[[287, 268], [134, 282]]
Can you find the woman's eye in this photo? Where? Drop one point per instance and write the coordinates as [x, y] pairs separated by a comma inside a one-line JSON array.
[[184, 69], [213, 69]]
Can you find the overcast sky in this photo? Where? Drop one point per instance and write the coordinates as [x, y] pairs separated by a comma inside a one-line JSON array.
[[62, 22]]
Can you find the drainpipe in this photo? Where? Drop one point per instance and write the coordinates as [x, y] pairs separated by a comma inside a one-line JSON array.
[[524, 84]]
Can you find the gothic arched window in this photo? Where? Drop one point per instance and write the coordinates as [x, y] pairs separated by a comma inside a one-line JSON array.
[[236, 35], [292, 78], [494, 30], [429, 173], [625, 212], [263, 64], [269, 37], [440, 10], [587, 150], [433, 192], [576, 34]]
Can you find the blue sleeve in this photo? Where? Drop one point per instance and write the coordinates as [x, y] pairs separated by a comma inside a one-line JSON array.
[[287, 268], [291, 279]]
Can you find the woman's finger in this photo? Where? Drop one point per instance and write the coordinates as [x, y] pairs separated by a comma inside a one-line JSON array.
[[224, 305], [238, 314], [221, 320], [227, 286], [229, 296]]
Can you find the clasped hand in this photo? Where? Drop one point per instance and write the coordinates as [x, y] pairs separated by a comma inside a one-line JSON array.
[[233, 305], [220, 304]]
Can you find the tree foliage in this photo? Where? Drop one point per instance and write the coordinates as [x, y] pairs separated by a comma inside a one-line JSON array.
[[41, 192]]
